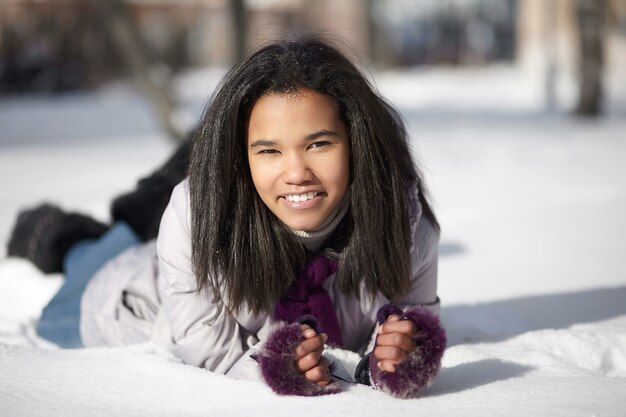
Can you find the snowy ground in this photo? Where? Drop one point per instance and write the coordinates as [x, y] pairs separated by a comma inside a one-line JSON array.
[[532, 267]]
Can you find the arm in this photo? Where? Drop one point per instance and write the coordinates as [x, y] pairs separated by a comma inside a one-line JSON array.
[[409, 342], [204, 331], [207, 335]]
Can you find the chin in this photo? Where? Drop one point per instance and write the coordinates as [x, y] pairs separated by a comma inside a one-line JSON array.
[[304, 226]]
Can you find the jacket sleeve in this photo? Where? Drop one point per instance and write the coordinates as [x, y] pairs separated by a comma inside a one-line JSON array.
[[420, 305], [204, 331], [424, 255], [424, 259]]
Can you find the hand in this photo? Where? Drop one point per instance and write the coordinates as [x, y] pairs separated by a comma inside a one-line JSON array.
[[395, 340], [309, 359]]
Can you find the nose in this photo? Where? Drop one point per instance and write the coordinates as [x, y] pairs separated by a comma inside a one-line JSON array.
[[296, 170]]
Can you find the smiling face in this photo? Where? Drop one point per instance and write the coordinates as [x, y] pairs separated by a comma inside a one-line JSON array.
[[299, 156]]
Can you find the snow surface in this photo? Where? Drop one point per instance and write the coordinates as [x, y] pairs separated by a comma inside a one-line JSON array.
[[532, 266]]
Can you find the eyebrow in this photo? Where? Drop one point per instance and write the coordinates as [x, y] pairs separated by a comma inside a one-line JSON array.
[[312, 136], [319, 134], [262, 142]]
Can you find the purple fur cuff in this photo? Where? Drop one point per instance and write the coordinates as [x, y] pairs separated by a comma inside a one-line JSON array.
[[420, 367], [277, 364], [311, 321], [386, 311]]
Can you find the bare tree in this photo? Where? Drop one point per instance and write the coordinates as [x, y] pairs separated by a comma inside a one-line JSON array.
[[590, 17], [238, 13], [127, 41]]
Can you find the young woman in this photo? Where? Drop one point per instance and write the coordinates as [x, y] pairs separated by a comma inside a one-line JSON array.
[[303, 225]]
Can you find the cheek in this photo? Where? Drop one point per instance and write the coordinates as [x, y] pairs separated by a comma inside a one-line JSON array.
[[262, 178], [339, 171], [257, 176]]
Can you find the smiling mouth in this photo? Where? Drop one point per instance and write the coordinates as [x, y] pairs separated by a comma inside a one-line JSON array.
[[298, 198]]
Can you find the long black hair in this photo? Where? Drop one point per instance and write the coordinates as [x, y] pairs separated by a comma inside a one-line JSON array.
[[239, 247]]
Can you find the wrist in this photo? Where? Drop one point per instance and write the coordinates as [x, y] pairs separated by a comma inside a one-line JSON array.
[[278, 366], [421, 365]]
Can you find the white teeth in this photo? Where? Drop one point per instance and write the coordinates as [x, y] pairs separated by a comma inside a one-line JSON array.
[[297, 198]]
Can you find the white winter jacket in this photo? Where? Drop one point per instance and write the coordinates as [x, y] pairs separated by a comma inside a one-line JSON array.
[[148, 294]]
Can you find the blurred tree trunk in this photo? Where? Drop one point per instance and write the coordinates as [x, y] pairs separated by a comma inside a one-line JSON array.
[[127, 40], [370, 26], [590, 17], [238, 13]]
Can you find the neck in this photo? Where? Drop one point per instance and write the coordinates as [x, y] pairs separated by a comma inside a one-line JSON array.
[[313, 239]]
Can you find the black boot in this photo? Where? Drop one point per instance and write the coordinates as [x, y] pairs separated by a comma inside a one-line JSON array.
[[44, 234], [142, 209]]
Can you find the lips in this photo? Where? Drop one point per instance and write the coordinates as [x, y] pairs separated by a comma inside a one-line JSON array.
[[301, 201], [302, 197], [297, 198]]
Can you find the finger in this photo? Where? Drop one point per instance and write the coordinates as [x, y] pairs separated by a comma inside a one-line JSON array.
[[393, 317], [319, 374], [389, 353], [309, 361], [387, 365], [307, 331], [401, 326], [309, 345], [399, 340]]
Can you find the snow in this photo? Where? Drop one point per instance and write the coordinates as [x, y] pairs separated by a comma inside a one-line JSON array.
[[532, 265]]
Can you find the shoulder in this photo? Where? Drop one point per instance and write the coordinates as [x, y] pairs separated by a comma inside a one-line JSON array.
[[178, 212], [174, 238], [180, 199]]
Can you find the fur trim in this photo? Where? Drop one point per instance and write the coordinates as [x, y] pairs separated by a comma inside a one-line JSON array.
[[307, 296], [386, 311], [276, 362], [420, 367], [311, 321]]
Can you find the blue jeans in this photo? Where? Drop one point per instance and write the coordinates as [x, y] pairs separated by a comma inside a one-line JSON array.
[[60, 319]]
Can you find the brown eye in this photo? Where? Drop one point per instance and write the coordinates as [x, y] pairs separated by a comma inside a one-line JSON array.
[[319, 144]]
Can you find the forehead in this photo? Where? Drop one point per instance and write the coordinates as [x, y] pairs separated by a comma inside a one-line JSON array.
[[303, 103], [300, 109]]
